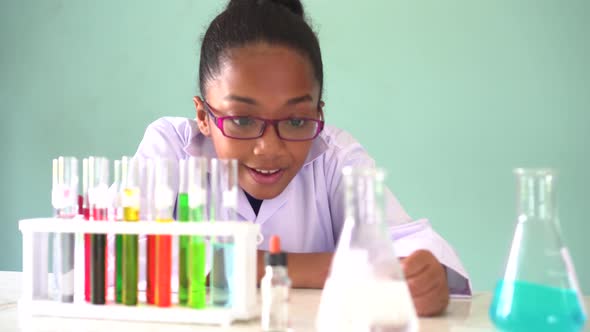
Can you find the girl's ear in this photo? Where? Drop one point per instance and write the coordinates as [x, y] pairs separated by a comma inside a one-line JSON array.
[[321, 109], [202, 117]]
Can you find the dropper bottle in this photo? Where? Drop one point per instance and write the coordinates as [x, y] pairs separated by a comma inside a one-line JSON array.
[[275, 286]]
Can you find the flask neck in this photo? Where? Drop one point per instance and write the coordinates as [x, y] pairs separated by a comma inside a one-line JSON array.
[[536, 194], [364, 196], [364, 224]]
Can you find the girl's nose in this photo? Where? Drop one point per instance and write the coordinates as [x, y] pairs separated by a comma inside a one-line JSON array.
[[269, 143]]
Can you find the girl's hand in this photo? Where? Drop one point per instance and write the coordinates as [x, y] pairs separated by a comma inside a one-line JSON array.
[[427, 282]]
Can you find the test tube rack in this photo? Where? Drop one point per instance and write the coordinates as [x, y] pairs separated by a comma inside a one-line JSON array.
[[244, 300]]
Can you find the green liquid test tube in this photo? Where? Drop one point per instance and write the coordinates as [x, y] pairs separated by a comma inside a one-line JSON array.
[[119, 268], [117, 216], [129, 242], [196, 263], [192, 256], [183, 247]]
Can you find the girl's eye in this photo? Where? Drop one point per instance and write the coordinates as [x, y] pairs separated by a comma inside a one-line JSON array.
[[243, 121], [297, 123]]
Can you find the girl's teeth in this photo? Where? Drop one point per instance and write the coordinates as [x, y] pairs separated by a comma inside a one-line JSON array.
[[264, 171]]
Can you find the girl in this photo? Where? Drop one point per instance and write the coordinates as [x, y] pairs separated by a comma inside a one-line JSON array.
[[261, 81]]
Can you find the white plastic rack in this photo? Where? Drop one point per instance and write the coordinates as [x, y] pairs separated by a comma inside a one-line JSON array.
[[35, 233]]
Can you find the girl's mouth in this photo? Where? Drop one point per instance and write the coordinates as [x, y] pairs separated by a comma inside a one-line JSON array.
[[266, 175]]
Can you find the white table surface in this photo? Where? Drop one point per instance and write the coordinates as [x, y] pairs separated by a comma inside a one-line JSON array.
[[463, 315]]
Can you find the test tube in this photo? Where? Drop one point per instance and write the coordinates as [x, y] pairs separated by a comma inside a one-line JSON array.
[[192, 258], [149, 214], [229, 188], [87, 238], [115, 212], [64, 200], [129, 242], [117, 216], [40, 257], [99, 202], [164, 199], [223, 206], [183, 240]]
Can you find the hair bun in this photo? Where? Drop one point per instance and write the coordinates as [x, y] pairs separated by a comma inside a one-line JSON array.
[[294, 6]]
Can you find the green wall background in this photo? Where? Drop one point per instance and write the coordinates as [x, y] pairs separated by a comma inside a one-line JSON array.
[[448, 96]]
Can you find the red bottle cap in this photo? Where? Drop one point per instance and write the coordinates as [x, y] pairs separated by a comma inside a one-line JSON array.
[[274, 257], [275, 244]]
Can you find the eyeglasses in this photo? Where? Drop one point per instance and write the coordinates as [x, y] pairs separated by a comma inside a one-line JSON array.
[[250, 127]]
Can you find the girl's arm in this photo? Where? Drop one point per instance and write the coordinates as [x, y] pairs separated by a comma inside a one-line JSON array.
[[306, 270], [425, 276]]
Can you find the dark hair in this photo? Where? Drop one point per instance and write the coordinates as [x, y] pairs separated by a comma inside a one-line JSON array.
[[279, 22]]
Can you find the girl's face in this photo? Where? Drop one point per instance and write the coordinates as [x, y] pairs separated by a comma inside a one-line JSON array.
[[270, 82]]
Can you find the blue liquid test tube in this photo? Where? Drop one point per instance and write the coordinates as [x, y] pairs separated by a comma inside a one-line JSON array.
[[223, 206]]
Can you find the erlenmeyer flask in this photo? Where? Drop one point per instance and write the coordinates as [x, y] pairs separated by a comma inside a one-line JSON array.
[[539, 291], [366, 289]]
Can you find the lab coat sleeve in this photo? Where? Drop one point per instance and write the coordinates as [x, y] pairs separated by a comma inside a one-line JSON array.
[[408, 235], [419, 234]]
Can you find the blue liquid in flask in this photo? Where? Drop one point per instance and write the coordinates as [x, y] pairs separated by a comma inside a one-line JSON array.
[[524, 306]]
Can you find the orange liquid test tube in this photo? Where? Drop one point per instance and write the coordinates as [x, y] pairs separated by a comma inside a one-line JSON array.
[[163, 275], [164, 199], [151, 239]]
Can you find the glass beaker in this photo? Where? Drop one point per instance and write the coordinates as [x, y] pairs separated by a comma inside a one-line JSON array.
[[539, 291], [366, 289]]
